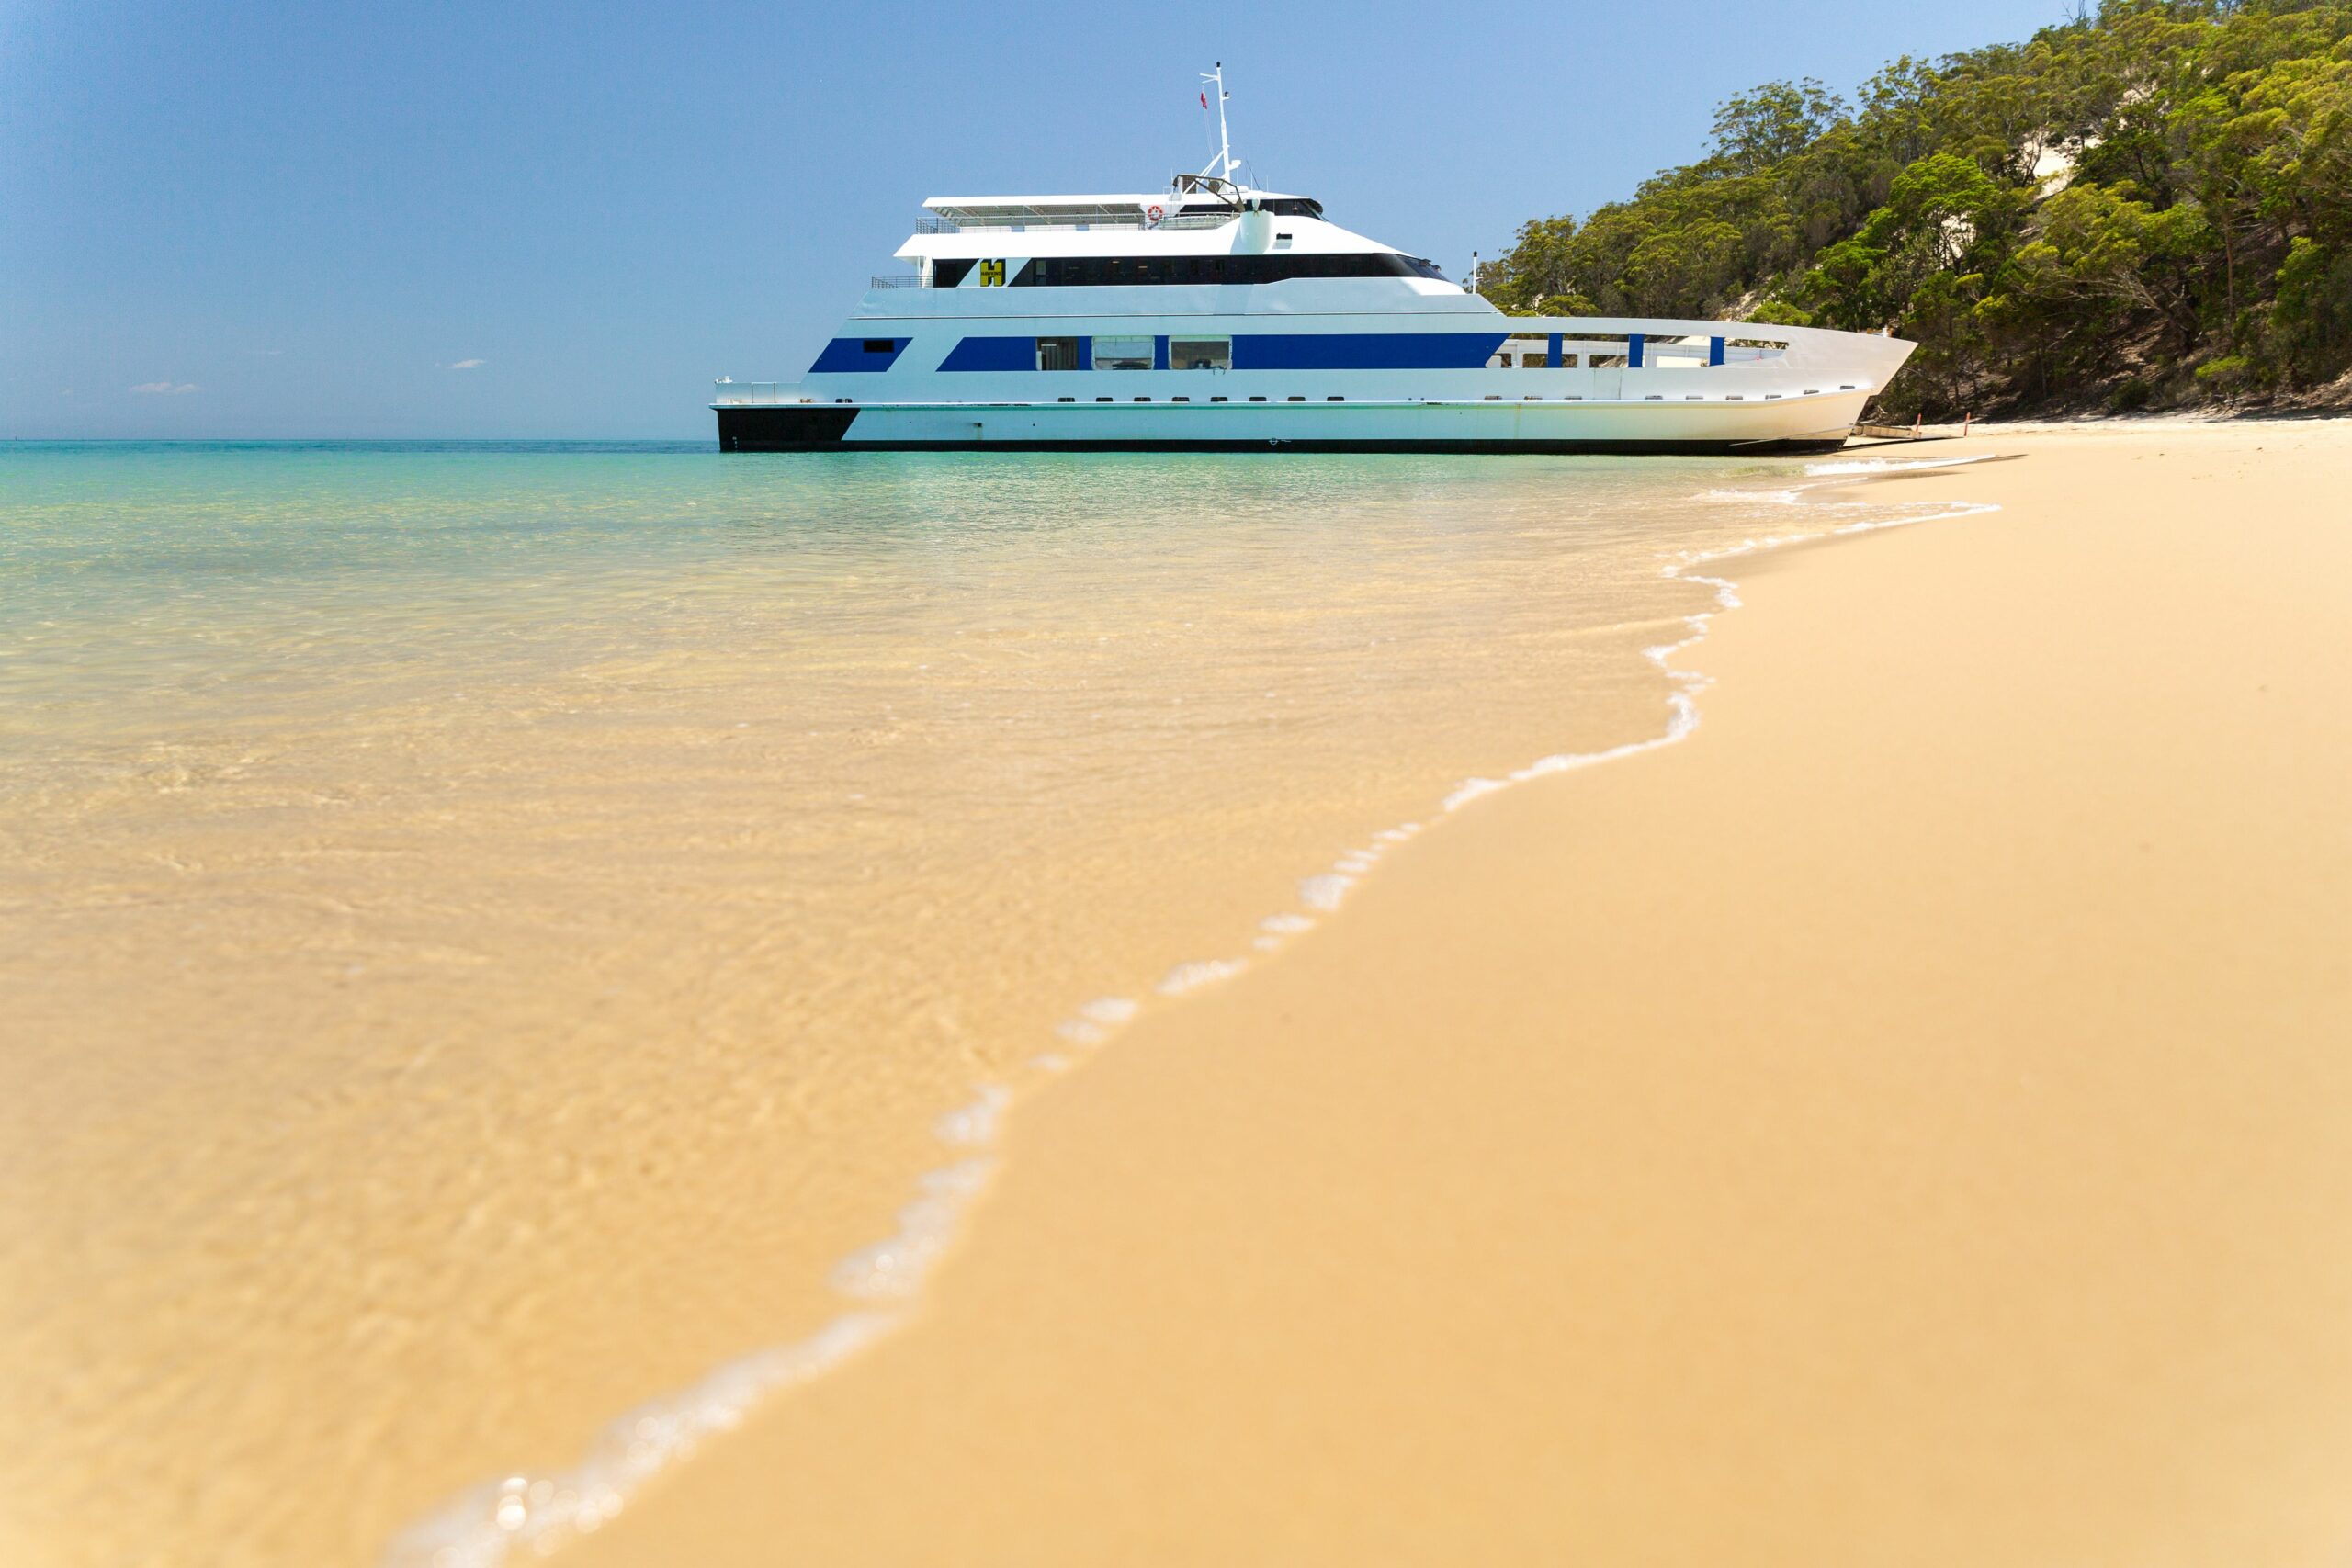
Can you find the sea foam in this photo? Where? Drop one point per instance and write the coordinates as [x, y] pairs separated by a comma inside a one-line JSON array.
[[1200, 972], [975, 1124], [1895, 464], [538, 1514], [893, 1268], [1324, 892]]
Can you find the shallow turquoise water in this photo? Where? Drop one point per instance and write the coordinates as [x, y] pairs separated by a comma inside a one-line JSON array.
[[138, 577]]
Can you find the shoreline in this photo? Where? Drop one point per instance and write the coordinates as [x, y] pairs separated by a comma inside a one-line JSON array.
[[870, 1427], [540, 1513]]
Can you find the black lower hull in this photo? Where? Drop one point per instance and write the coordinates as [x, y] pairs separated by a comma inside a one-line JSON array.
[[819, 428], [793, 428]]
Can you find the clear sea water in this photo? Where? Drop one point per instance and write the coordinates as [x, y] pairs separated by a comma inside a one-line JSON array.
[[488, 927]]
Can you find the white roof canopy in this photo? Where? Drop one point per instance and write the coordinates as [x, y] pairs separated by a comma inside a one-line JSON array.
[[1069, 208]]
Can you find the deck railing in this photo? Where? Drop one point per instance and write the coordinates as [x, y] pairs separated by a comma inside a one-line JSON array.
[[897, 280], [933, 224]]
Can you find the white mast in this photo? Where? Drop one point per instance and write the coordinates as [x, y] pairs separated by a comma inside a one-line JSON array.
[[1222, 166]]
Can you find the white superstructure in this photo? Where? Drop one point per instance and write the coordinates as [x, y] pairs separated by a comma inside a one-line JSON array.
[[1215, 315]]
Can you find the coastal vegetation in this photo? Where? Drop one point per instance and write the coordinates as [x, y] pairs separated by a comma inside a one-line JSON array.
[[2147, 207]]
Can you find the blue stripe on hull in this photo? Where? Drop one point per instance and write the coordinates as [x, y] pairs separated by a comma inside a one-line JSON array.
[[993, 354], [850, 353], [1252, 350], [1364, 351]]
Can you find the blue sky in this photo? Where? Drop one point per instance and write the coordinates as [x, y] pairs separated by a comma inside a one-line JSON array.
[[563, 220]]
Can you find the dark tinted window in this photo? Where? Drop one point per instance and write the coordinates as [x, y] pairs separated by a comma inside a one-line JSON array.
[[1085, 272], [948, 274]]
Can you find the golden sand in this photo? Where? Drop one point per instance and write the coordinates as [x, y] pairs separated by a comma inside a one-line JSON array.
[[1904, 1123]]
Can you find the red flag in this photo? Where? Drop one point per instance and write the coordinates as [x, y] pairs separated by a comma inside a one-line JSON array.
[[1204, 97]]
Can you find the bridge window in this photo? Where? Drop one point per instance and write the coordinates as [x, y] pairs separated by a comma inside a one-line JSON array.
[[1201, 352]]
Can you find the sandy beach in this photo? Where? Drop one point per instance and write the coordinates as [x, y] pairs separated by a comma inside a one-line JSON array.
[[1902, 1122]]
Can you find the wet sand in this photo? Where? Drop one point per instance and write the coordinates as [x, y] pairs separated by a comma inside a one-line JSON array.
[[1904, 1123]]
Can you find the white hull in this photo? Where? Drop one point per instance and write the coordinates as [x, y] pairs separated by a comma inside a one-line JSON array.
[[1823, 421]]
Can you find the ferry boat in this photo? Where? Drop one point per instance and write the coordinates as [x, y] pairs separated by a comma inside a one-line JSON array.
[[1216, 316]]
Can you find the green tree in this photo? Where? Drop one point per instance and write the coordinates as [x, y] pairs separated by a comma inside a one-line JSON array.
[[2113, 203], [1759, 127]]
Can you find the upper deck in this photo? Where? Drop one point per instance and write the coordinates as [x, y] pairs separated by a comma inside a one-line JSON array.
[[1190, 234]]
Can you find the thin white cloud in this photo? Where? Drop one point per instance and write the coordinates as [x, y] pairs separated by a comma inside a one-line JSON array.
[[468, 364], [168, 388]]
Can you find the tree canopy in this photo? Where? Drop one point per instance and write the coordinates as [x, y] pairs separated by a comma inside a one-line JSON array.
[[2148, 206]]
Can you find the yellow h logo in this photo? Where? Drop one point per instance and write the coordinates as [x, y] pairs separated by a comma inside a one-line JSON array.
[[993, 274]]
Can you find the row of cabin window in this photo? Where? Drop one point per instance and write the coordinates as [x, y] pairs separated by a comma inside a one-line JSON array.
[[1096, 272], [1136, 354], [1216, 353], [1542, 361]]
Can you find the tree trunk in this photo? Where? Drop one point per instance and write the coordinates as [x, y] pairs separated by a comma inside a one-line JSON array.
[[2230, 257]]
